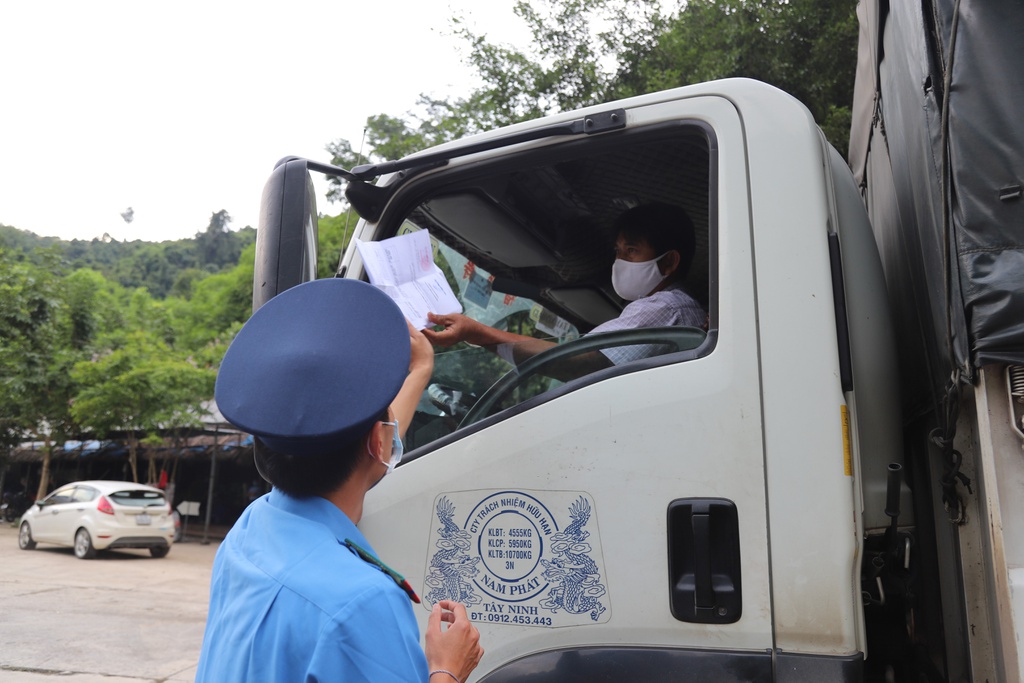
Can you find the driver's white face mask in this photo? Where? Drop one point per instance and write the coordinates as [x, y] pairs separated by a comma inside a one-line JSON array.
[[633, 280]]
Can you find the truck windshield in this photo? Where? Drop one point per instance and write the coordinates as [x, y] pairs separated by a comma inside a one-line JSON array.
[[463, 373], [527, 241]]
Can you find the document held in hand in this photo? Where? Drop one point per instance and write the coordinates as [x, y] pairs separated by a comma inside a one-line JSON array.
[[403, 268]]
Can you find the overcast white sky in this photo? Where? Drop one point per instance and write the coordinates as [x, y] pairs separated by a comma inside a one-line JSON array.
[[181, 109]]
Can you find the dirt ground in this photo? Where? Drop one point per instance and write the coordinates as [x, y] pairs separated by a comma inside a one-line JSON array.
[[122, 617]]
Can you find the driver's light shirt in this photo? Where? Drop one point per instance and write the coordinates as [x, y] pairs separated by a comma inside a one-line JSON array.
[[290, 602], [669, 307]]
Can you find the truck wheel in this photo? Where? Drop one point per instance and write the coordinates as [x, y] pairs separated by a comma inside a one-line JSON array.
[[25, 541], [84, 549]]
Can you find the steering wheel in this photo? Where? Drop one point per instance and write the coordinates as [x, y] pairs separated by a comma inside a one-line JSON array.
[[677, 338]]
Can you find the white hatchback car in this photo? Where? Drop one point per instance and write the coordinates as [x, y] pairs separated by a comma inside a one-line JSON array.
[[99, 515]]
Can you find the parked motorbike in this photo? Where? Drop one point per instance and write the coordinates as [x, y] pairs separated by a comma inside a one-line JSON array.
[[14, 506]]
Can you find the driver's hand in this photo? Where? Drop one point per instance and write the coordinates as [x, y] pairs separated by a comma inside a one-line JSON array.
[[457, 327]]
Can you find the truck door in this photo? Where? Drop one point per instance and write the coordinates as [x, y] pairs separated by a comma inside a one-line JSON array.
[[613, 526]]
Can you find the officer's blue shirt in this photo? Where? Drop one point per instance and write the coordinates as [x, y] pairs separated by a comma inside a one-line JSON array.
[[289, 602]]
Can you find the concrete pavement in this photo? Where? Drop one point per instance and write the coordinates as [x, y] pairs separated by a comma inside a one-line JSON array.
[[123, 617]]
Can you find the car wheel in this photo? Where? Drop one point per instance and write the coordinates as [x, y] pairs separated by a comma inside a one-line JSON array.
[[25, 541], [84, 549], [160, 550]]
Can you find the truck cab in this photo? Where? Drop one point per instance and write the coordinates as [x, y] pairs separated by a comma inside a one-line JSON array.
[[704, 512]]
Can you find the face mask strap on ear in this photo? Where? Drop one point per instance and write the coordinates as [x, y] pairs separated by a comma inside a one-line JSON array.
[[397, 447], [665, 255]]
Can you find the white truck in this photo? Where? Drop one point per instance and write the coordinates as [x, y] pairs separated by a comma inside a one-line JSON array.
[[754, 502]]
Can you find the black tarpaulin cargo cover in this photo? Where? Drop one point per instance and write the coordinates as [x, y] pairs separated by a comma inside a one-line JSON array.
[[896, 153]]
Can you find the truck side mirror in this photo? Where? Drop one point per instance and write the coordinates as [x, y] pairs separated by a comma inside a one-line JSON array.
[[286, 239]]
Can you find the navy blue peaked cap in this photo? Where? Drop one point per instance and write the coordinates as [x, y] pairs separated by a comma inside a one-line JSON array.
[[315, 366]]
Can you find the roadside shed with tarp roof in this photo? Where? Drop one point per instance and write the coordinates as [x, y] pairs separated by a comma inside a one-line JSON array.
[[211, 464]]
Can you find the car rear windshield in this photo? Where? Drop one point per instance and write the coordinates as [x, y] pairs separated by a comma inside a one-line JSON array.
[[137, 498]]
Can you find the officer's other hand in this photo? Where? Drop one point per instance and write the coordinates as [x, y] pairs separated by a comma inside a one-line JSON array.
[[422, 353], [455, 648]]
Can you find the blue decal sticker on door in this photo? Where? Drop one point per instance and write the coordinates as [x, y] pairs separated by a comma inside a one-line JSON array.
[[517, 557]]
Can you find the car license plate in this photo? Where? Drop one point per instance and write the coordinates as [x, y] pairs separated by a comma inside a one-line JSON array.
[[142, 519]]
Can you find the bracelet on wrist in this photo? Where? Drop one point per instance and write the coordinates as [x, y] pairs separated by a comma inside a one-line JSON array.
[[444, 671]]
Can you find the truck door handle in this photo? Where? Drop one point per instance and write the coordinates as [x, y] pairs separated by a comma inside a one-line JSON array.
[[704, 560], [704, 597]]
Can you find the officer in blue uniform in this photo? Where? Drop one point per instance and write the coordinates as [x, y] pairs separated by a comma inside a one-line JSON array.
[[327, 376]]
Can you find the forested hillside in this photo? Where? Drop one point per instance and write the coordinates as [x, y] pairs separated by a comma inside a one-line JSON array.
[[163, 268], [107, 337]]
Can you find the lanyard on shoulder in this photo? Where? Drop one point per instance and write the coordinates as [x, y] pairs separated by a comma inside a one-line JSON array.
[[369, 558]]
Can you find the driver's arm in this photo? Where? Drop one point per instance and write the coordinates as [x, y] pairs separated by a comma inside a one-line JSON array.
[[566, 369], [459, 327], [462, 328]]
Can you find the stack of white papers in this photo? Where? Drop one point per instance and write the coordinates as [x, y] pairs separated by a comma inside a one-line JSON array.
[[403, 268]]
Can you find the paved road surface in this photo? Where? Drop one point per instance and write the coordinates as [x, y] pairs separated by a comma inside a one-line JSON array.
[[124, 617]]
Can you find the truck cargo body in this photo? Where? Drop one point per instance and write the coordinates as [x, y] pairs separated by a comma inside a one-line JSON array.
[[937, 150]]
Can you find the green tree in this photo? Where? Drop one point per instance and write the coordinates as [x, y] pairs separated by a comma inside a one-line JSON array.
[[139, 375], [217, 303], [561, 69], [805, 47], [81, 352], [157, 266], [16, 240], [185, 282], [335, 233], [214, 244], [389, 138], [575, 57], [39, 343], [585, 53], [139, 389], [343, 156]]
